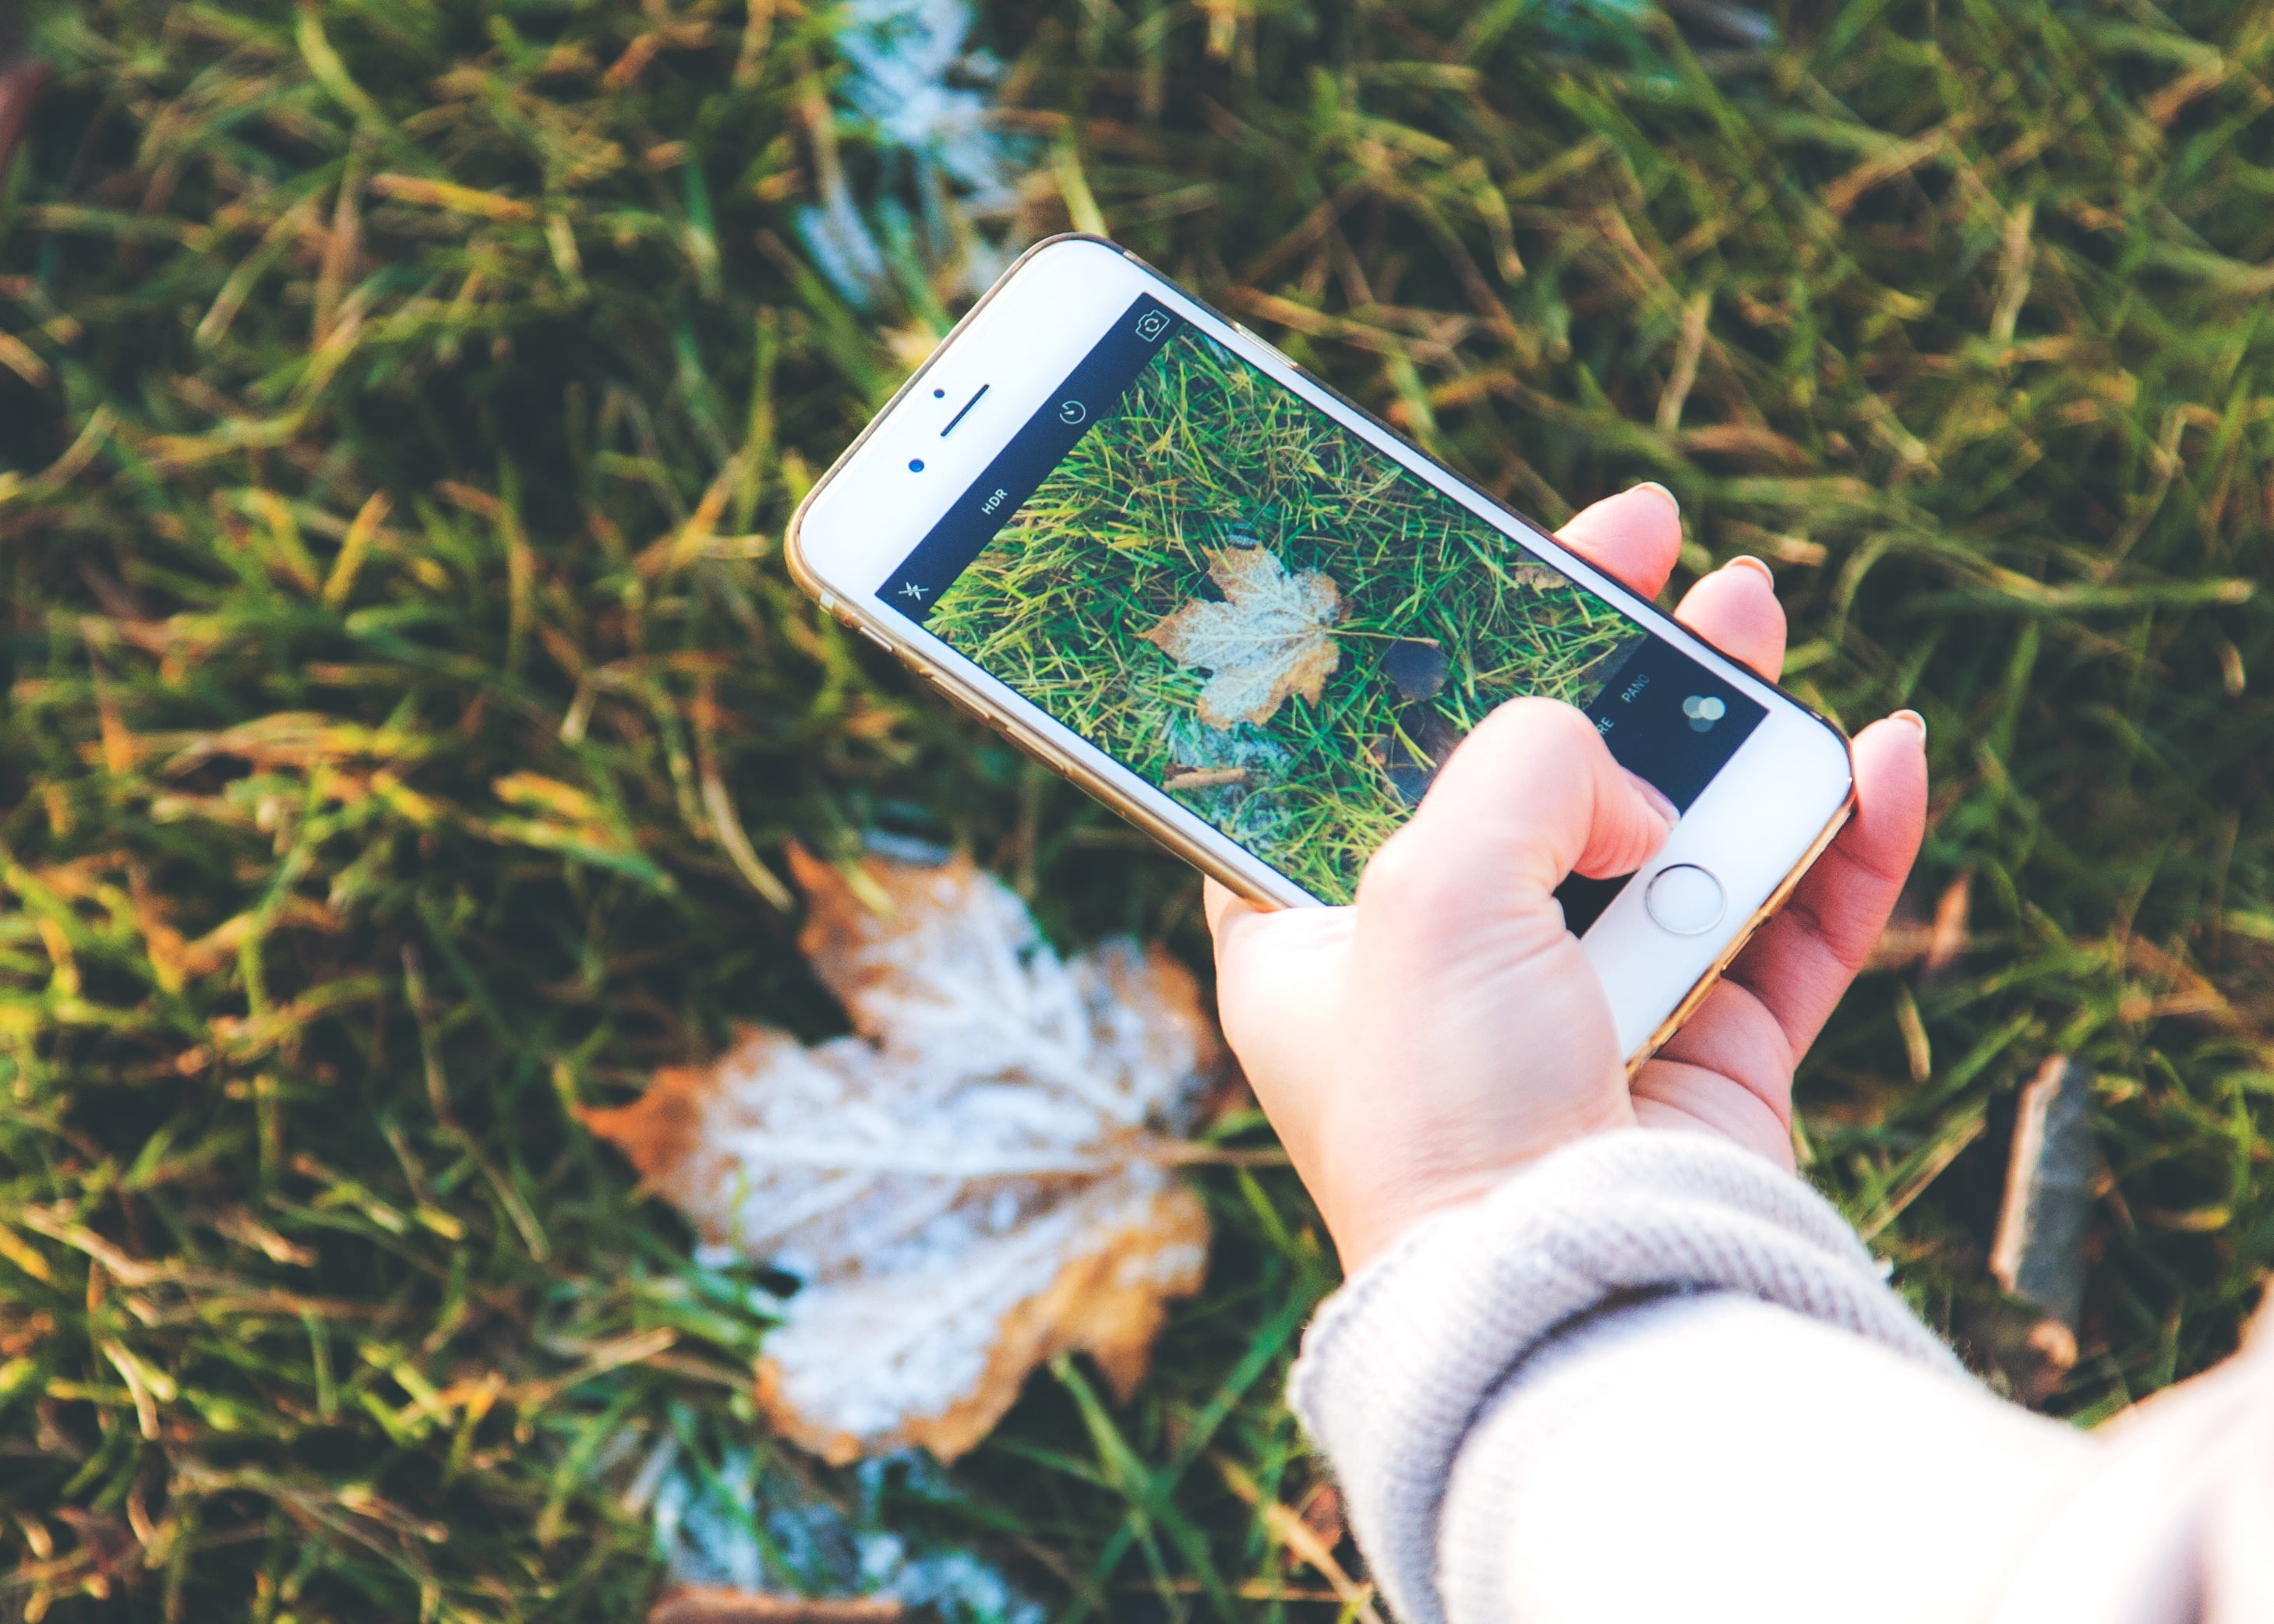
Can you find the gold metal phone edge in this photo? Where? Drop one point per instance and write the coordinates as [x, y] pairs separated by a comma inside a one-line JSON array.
[[1146, 818], [1774, 900]]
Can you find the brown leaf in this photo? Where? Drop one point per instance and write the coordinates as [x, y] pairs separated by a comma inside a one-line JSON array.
[[969, 1184], [1266, 640], [21, 82]]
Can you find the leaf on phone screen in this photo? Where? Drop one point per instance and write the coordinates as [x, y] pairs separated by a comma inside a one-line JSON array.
[[1268, 638], [975, 1180]]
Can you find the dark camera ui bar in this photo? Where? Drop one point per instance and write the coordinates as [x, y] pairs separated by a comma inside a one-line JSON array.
[[1669, 719], [1089, 394]]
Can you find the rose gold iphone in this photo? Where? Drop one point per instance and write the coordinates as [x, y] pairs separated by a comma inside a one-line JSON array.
[[1156, 554]]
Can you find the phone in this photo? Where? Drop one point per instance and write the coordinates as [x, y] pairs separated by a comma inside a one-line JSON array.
[[1153, 552]]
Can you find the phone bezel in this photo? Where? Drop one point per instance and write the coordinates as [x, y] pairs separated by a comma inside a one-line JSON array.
[[1767, 814]]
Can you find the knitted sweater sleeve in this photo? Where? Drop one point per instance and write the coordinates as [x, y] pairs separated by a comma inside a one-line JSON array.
[[1651, 1376]]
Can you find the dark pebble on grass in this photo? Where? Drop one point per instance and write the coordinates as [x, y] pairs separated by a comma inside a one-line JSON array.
[[1417, 668], [1411, 756]]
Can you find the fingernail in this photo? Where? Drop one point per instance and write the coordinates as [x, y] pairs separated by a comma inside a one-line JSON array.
[[1672, 500], [1913, 718], [1767, 574], [1651, 793]]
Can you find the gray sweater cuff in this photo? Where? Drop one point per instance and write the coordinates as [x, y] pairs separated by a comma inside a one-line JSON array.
[[1399, 1362]]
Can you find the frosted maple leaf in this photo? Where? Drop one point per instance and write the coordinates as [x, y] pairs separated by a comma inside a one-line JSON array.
[[974, 1180], [1267, 639]]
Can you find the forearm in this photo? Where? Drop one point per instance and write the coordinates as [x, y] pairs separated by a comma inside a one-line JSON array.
[[1646, 1343], [1713, 1456]]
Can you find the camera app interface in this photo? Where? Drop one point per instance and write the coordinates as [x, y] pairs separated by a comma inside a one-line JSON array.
[[1255, 610]]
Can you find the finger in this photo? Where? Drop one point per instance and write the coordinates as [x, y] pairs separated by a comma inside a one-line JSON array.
[[1266, 956], [1671, 1093], [1804, 959], [1279, 978], [1735, 609], [1733, 1038], [1634, 537], [1217, 903], [1530, 797], [1246, 956]]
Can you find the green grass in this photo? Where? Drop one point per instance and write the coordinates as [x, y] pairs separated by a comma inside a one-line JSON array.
[[405, 702], [1204, 455]]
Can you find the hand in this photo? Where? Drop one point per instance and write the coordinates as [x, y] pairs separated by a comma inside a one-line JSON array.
[[1415, 1047]]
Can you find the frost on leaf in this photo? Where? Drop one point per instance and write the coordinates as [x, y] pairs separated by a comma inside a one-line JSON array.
[[972, 1182], [1269, 638]]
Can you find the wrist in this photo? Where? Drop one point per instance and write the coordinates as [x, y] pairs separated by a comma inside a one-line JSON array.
[[1371, 1213]]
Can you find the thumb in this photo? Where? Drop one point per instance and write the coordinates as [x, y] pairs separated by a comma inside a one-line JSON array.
[[1531, 797]]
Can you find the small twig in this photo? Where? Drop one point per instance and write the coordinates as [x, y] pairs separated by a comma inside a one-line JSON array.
[[2039, 1253], [1186, 1152], [707, 1607], [1302, 1541], [1686, 355], [1203, 777]]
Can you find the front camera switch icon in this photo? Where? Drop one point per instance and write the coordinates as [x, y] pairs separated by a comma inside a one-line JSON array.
[[1703, 710], [1151, 325]]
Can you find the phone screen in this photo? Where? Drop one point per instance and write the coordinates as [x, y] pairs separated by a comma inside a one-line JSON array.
[[1255, 609]]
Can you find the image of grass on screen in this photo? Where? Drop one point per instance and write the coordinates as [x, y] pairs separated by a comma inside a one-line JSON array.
[[1257, 611]]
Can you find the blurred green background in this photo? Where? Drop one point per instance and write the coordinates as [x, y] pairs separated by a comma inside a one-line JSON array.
[[401, 402]]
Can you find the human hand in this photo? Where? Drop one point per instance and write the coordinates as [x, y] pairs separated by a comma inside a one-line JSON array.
[[1415, 1047]]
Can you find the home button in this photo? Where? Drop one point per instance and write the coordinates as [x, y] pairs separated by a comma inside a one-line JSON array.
[[1684, 899]]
